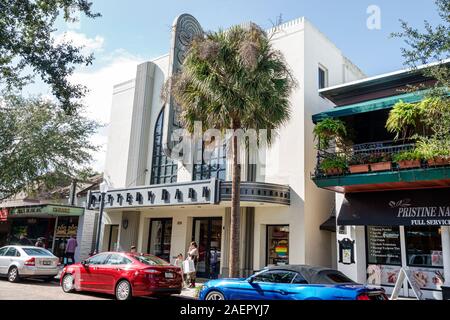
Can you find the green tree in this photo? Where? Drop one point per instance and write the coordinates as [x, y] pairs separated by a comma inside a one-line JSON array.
[[431, 45], [28, 47], [40, 143], [235, 80]]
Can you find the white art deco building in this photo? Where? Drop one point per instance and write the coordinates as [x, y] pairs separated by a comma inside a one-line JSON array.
[[161, 205]]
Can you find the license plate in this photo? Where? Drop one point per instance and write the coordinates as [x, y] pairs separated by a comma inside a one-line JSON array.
[[47, 263], [169, 275]]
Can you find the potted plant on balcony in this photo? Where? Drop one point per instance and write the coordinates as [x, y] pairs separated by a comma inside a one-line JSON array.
[[380, 161], [408, 159], [359, 163], [333, 165], [435, 152], [327, 130], [406, 120]]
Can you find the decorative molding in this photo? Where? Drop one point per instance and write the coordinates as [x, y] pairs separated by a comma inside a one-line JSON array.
[[258, 192], [210, 191]]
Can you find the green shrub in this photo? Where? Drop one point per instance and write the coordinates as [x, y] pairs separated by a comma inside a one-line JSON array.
[[327, 130], [430, 148], [335, 162], [405, 119], [407, 155]]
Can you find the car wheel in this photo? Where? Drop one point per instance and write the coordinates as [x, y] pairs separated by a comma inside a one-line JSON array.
[[123, 290], [68, 283], [215, 295], [13, 274]]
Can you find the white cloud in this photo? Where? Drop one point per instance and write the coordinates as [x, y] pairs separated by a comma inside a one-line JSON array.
[[81, 40], [117, 67]]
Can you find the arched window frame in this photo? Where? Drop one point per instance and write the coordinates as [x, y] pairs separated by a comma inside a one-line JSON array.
[[164, 169]]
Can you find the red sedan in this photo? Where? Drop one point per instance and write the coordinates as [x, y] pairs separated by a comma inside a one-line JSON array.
[[125, 275]]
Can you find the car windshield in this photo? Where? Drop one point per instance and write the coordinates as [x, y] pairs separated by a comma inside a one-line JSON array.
[[36, 252], [151, 260]]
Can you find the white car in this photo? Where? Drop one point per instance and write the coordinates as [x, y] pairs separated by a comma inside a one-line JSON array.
[[18, 262]]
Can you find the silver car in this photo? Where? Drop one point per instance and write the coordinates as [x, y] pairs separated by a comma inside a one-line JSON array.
[[27, 262]]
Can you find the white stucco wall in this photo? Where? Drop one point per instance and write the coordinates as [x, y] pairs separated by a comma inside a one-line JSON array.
[[119, 131]]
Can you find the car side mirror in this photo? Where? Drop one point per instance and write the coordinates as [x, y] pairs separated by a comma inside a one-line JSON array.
[[251, 279], [85, 263]]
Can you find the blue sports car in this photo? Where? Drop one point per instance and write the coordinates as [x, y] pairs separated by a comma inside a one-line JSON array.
[[290, 282]]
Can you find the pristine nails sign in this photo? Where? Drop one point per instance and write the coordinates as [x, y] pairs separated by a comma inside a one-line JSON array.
[[430, 207], [425, 216]]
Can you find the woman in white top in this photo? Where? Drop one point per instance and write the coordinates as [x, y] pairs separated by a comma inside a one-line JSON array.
[[193, 255]]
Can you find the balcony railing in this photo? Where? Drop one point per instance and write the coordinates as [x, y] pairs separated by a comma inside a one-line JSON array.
[[373, 152]]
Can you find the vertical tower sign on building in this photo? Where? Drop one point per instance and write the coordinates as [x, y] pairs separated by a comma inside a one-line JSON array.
[[184, 29]]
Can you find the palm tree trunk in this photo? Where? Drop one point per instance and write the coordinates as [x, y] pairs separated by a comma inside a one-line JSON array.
[[235, 209]]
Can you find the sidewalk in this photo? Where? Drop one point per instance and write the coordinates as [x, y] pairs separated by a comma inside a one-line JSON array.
[[191, 293]]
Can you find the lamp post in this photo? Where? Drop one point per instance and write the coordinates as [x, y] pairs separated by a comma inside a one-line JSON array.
[[103, 191]]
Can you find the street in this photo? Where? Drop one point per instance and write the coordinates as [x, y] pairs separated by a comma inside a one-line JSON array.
[[38, 290]]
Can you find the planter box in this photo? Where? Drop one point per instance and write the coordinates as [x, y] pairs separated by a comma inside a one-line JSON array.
[[358, 168], [438, 162], [381, 166], [334, 171], [407, 164]]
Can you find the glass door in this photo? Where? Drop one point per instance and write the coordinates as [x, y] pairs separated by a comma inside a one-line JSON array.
[[159, 239], [207, 232], [113, 237]]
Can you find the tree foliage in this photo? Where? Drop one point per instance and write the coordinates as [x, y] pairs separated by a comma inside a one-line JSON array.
[[28, 47], [431, 45], [234, 79], [39, 142]]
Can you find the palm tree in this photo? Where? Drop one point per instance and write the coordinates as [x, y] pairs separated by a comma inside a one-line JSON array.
[[234, 79]]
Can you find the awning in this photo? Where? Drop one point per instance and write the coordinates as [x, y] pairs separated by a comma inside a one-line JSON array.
[[329, 224], [46, 210], [429, 207], [368, 106]]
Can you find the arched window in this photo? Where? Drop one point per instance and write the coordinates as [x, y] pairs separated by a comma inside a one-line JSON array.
[[164, 169]]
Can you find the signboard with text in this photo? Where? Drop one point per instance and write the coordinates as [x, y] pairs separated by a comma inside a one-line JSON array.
[[430, 207], [46, 210]]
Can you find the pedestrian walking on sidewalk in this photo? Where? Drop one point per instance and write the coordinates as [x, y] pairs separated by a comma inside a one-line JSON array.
[[193, 255], [72, 244], [179, 263]]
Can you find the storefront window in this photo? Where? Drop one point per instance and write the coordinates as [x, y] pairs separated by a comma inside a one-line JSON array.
[[383, 245], [26, 231], [278, 245], [423, 246], [67, 227]]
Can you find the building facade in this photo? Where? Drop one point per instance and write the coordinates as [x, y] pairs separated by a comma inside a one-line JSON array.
[[160, 205], [54, 216], [390, 214]]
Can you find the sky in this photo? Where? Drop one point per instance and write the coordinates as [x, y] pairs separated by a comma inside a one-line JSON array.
[[133, 31]]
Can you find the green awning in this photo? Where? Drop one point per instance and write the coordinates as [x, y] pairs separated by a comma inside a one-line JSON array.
[[368, 106], [46, 210]]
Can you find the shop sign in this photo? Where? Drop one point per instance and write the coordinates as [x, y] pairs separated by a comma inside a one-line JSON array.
[[3, 214], [429, 207], [51, 210]]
